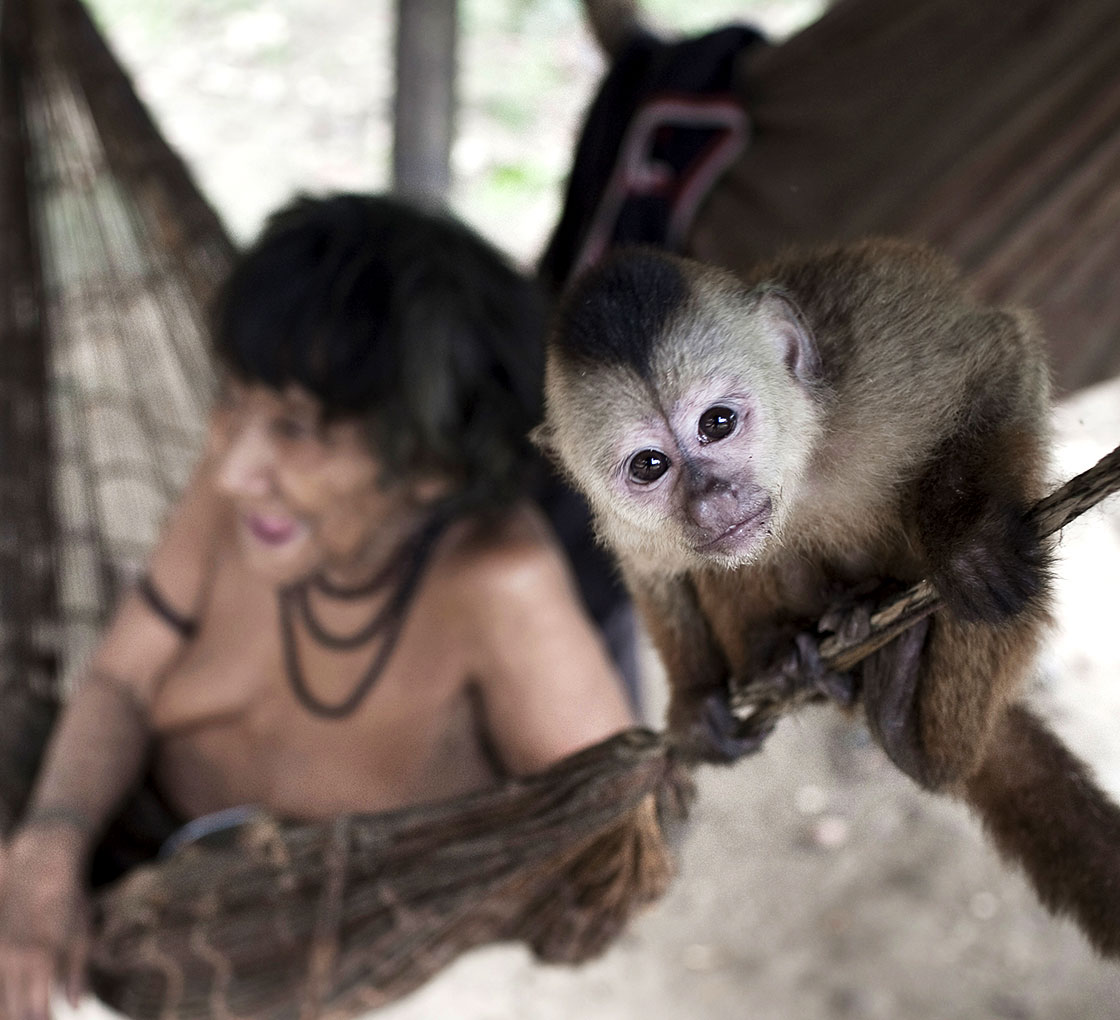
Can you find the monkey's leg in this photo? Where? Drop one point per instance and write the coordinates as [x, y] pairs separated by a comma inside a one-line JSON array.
[[889, 688], [1042, 809], [970, 674], [933, 695]]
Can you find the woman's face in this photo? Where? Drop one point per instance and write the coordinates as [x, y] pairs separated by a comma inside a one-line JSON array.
[[308, 496]]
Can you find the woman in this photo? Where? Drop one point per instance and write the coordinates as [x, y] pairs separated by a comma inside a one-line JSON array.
[[353, 607]]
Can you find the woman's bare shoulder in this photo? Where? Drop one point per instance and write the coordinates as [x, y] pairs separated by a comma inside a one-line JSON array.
[[511, 554], [547, 682]]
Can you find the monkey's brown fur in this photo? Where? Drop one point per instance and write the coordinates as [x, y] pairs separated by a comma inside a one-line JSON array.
[[888, 428]]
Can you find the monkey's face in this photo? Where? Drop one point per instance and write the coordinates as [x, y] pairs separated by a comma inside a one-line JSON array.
[[693, 456]]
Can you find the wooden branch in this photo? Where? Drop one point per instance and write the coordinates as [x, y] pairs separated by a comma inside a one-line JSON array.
[[765, 699]]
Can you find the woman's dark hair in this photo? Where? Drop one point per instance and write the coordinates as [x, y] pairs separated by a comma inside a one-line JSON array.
[[404, 318]]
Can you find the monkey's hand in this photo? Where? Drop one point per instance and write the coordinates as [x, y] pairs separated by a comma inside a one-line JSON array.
[[708, 730], [993, 568], [797, 675]]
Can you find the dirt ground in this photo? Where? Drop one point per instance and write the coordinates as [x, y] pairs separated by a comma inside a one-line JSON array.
[[816, 882]]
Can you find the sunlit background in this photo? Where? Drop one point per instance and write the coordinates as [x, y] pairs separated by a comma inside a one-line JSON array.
[[268, 97]]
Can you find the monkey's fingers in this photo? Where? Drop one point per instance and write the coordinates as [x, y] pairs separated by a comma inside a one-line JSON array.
[[887, 622], [716, 735], [799, 677]]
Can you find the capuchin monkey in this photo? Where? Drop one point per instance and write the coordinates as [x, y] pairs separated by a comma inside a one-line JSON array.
[[755, 451]]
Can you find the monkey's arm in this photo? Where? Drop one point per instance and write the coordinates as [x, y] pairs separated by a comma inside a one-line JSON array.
[[700, 717], [933, 703]]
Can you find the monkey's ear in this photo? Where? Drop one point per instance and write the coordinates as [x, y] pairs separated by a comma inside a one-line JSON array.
[[788, 326], [541, 436]]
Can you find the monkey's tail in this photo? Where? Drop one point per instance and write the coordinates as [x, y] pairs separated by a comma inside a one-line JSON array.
[[1043, 809]]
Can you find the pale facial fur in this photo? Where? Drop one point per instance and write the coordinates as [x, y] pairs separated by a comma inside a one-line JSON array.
[[720, 502]]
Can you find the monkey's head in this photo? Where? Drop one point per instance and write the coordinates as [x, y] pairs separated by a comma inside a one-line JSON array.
[[684, 406]]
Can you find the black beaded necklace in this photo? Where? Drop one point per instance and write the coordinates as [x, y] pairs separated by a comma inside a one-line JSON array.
[[404, 570]]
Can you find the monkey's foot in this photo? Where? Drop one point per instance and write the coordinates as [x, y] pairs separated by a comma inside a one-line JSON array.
[[890, 698]]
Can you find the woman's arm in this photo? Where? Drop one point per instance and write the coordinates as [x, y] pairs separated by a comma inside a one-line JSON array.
[[101, 740], [95, 757], [549, 687]]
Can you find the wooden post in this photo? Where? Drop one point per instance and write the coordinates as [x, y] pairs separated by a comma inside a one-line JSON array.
[[424, 101], [612, 22]]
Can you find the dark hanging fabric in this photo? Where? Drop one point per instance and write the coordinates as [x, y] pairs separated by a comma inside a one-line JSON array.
[[663, 127]]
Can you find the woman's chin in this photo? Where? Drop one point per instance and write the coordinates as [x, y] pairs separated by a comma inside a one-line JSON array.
[[279, 555]]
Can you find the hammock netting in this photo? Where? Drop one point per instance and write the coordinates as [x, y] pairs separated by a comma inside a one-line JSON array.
[[992, 131]]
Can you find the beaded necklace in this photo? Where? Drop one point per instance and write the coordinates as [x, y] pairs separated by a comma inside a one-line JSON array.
[[403, 570]]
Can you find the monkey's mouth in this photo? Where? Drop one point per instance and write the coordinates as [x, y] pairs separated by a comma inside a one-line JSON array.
[[745, 532]]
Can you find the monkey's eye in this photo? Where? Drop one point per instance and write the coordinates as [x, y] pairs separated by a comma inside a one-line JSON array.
[[647, 466], [717, 423]]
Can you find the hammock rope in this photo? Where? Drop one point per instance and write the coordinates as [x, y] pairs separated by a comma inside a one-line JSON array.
[[346, 915]]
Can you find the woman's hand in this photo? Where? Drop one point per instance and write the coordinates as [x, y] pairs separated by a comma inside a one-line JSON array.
[[44, 922]]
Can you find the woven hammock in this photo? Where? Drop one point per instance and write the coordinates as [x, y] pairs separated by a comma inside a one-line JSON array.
[[989, 130], [108, 261]]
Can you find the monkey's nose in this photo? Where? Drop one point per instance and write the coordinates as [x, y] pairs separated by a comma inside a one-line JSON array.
[[716, 506], [717, 488]]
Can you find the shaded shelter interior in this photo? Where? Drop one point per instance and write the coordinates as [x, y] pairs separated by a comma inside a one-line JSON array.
[[991, 131]]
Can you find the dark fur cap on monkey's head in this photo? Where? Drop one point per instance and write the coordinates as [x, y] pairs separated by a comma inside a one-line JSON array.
[[617, 313]]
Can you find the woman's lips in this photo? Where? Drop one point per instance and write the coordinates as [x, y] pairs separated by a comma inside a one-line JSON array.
[[271, 529]]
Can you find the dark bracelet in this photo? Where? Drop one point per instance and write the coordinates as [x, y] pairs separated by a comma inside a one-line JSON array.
[[57, 814], [179, 622]]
